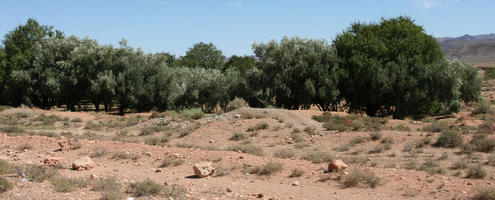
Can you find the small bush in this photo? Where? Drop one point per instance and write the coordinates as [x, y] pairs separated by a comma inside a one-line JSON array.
[[296, 137], [485, 194], [109, 187], [145, 188], [171, 161], [158, 140], [375, 136], [66, 185], [432, 167], [379, 148], [185, 132], [296, 173], [238, 136], [6, 168], [236, 104], [24, 147], [250, 149], [76, 120], [479, 143], [319, 157], [401, 128], [284, 153], [194, 113], [5, 185], [11, 129], [220, 171], [357, 176], [387, 140], [459, 164], [268, 169], [449, 139], [483, 108], [39, 173], [258, 126], [124, 156], [309, 129], [436, 127], [476, 172], [98, 152], [325, 116]]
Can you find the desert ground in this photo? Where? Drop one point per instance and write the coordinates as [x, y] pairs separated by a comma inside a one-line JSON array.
[[255, 153]]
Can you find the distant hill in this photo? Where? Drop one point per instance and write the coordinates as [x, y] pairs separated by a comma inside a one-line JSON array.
[[476, 49]]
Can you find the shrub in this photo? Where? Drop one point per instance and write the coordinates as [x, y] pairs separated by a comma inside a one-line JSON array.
[[236, 104], [171, 161], [194, 113], [125, 155], [449, 139], [268, 169], [319, 157], [375, 136], [145, 188], [436, 126], [432, 167], [5, 185], [357, 176], [309, 129], [109, 187], [485, 194], [6, 168], [480, 143], [67, 184], [324, 117], [158, 140], [238, 136], [476, 172], [220, 171], [24, 147], [39, 173], [459, 164], [76, 120], [98, 152], [483, 108], [284, 153], [10, 130], [250, 149], [185, 132], [296, 173], [296, 137], [401, 128]]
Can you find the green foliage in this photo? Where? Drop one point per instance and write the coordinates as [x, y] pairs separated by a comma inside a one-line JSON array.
[[109, 187], [203, 55], [479, 143], [357, 176], [476, 172], [485, 194], [38, 173], [268, 169], [299, 72], [394, 67], [489, 74], [318, 157], [449, 139]]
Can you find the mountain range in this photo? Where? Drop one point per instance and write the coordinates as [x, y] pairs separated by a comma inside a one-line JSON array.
[[476, 49]]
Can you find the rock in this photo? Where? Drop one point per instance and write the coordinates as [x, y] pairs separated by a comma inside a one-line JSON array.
[[52, 161], [84, 163], [295, 183], [203, 169], [336, 165]]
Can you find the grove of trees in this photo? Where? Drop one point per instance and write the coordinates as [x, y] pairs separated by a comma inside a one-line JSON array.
[[388, 68]]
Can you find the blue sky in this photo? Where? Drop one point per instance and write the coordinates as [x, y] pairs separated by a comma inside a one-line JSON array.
[[233, 25]]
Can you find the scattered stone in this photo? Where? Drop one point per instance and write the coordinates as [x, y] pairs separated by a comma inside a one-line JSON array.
[[148, 153], [229, 190], [203, 169], [295, 183], [52, 161], [93, 176], [84, 163], [336, 165], [260, 195]]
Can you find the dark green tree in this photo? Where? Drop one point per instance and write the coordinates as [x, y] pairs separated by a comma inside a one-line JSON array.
[[394, 67], [203, 55], [241, 64]]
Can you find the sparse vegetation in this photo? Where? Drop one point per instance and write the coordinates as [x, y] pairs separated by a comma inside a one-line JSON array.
[[318, 157], [250, 149], [432, 167], [66, 185], [485, 194], [238, 136], [357, 176], [284, 153], [449, 139], [125, 156], [5, 185], [145, 188], [38, 173], [171, 161], [98, 152], [6, 167], [268, 169], [296, 173], [109, 187], [476, 172], [258, 126], [375, 136], [480, 143]]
